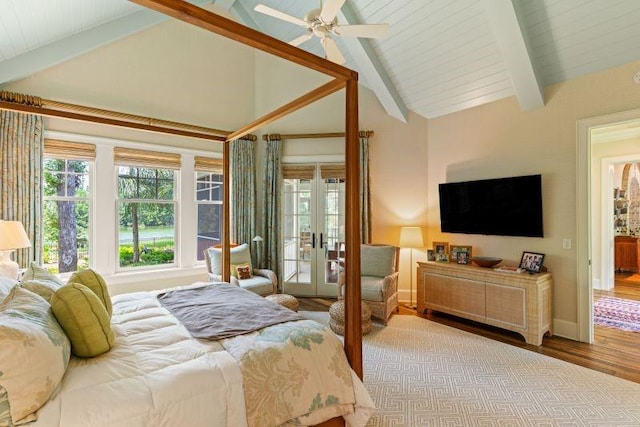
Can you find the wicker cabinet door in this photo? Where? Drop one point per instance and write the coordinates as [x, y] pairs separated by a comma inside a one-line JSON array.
[[455, 295]]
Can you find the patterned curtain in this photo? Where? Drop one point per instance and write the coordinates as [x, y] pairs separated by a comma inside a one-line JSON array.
[[365, 195], [243, 187], [21, 148], [271, 213]]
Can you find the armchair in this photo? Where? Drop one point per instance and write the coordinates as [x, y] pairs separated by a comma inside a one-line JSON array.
[[260, 281], [379, 279]]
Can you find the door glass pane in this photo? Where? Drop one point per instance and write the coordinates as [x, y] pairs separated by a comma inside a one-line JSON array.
[[297, 231], [333, 238]]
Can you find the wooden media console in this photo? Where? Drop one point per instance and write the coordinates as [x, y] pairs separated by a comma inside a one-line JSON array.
[[519, 302]]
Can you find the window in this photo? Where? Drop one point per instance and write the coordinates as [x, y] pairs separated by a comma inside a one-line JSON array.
[[66, 214], [208, 198], [209, 194], [146, 216], [66, 183]]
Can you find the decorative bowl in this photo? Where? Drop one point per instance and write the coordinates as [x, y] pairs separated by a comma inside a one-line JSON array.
[[486, 261]]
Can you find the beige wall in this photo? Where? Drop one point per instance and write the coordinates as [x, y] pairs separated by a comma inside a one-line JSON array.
[[498, 139], [171, 71]]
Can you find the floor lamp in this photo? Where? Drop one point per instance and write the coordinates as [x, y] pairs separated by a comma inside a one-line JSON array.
[[411, 237]]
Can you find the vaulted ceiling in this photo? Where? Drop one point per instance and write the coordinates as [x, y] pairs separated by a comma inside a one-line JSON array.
[[441, 56]]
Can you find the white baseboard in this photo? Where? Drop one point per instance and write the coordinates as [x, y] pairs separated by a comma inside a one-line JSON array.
[[565, 329]]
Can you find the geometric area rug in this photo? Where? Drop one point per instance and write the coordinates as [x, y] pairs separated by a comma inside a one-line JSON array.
[[617, 313], [422, 373]]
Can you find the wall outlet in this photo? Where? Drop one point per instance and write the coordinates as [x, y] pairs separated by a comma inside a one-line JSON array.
[[566, 243]]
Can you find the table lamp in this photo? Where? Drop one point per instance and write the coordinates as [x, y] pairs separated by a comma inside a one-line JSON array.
[[411, 237], [12, 237]]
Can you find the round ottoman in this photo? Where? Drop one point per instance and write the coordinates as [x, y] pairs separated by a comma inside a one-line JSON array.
[[336, 313], [284, 300]]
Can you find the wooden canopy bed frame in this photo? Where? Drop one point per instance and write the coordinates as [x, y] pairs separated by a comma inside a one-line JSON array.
[[343, 78]]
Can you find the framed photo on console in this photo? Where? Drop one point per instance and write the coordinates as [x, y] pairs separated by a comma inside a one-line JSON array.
[[456, 250], [531, 261], [441, 251]]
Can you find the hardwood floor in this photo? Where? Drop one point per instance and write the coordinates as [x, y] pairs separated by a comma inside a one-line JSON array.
[[614, 352]]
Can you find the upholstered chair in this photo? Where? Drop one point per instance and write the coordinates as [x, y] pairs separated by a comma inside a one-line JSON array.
[[379, 279], [259, 280]]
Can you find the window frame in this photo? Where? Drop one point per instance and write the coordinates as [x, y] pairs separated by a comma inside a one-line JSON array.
[[176, 220], [198, 202], [90, 200]]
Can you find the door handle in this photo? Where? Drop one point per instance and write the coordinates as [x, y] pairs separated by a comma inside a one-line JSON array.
[[313, 240], [321, 242]]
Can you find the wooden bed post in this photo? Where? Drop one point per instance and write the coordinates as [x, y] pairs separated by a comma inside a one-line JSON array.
[[226, 215], [352, 322]]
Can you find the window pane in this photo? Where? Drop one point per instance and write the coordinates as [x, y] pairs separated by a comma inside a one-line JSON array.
[[145, 183], [66, 178], [147, 234], [209, 227], [209, 187], [66, 232]]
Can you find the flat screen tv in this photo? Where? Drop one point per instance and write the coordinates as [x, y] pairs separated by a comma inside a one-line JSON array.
[[502, 206]]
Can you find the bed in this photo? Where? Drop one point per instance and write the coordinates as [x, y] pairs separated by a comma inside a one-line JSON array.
[[158, 374]]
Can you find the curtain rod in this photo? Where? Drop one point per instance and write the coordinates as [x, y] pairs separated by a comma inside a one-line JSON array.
[[361, 134], [46, 107]]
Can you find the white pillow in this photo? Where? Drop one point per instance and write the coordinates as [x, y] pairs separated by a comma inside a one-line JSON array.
[[33, 356], [6, 284]]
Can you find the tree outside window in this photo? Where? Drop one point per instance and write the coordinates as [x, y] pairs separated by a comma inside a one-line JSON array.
[[146, 216], [66, 214]]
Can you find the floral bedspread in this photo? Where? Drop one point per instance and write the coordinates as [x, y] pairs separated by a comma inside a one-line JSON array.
[[296, 373]]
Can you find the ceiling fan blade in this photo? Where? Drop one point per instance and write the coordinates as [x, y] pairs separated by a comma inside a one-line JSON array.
[[299, 40], [330, 10], [280, 15], [372, 31], [332, 51]]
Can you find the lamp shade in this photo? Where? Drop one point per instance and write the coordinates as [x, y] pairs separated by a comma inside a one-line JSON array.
[[13, 236], [411, 237], [258, 239]]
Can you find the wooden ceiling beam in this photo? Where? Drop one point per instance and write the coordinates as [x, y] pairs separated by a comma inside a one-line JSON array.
[[202, 18], [296, 104]]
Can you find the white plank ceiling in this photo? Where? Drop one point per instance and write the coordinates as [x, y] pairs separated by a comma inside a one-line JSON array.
[[441, 56]]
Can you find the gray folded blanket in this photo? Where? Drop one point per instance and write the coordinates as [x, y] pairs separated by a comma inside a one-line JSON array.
[[222, 310]]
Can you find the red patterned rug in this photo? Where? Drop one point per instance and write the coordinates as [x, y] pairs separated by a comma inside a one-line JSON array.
[[617, 313]]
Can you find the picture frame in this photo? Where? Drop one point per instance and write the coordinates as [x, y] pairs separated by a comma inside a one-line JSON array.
[[531, 261], [441, 251], [463, 258], [430, 255], [456, 249]]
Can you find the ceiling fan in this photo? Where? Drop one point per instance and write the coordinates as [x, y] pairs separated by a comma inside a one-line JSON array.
[[323, 23]]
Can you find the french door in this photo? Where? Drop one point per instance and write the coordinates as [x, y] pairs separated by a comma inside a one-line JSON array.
[[313, 229]]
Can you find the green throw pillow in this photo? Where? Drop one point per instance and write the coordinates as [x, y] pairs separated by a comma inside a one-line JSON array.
[[96, 283], [84, 319]]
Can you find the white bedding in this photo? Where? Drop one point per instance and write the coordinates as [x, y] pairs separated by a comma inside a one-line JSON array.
[[157, 375]]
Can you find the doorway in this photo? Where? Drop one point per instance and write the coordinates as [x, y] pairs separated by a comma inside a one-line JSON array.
[[592, 245], [313, 228]]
